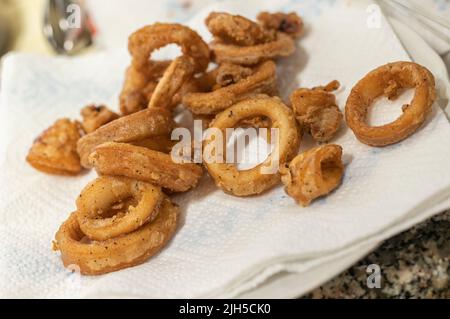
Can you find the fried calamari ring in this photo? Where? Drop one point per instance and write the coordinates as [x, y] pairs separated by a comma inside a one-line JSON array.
[[150, 38], [263, 80], [162, 143], [254, 181], [386, 80], [235, 29], [95, 116], [55, 150], [228, 73], [119, 159], [289, 23], [98, 198], [134, 127], [317, 112], [178, 72], [101, 257], [283, 45], [314, 173], [139, 85]]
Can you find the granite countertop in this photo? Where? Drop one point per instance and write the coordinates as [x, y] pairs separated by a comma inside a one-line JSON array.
[[413, 264]]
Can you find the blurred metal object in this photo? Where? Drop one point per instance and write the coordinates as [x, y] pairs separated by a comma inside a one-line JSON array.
[[67, 26], [8, 25]]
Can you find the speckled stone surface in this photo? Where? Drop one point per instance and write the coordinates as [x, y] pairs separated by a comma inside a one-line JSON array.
[[413, 264]]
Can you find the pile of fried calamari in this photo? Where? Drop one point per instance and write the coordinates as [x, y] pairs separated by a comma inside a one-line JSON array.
[[126, 215]]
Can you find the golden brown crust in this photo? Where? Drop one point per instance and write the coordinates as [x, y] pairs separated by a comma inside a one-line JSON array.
[[262, 80], [235, 29], [254, 181], [55, 150], [289, 23], [95, 116], [99, 198], [179, 71], [317, 112], [119, 159], [149, 38], [134, 127], [101, 257], [386, 80], [313, 173], [283, 45]]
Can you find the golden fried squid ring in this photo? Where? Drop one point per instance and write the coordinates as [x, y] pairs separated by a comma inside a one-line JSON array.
[[314, 173], [236, 29], [95, 116], [289, 23], [254, 181], [55, 150], [119, 159], [150, 38], [228, 73], [283, 45], [317, 112], [162, 143], [101, 257], [98, 198], [134, 127], [179, 71], [263, 80], [139, 86], [386, 80]]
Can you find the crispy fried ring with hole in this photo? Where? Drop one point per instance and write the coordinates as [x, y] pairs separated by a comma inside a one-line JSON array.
[[178, 72], [150, 38], [100, 195], [313, 173], [120, 159], [133, 127], [284, 45], [101, 257], [253, 181], [386, 80], [263, 80]]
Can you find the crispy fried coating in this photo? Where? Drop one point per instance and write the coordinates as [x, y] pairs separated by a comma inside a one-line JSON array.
[[289, 23], [144, 41], [55, 150], [101, 257], [262, 80], [387, 80], [282, 46], [99, 199], [134, 127], [235, 29], [95, 116], [317, 112], [179, 71], [313, 173], [255, 180], [120, 159], [139, 85], [228, 73]]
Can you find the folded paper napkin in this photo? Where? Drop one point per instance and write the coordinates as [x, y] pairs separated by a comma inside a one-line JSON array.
[[225, 245]]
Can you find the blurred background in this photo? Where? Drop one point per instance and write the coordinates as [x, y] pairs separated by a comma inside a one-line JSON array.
[[73, 27]]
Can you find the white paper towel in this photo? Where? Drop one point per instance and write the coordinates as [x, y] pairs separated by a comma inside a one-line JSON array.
[[225, 245]]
